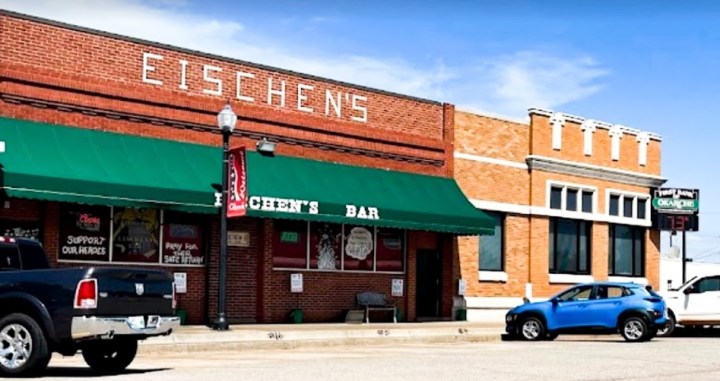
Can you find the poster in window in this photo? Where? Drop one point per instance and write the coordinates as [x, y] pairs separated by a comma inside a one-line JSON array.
[[21, 229], [136, 235], [290, 244], [84, 233], [390, 249], [182, 244], [359, 248], [325, 245]]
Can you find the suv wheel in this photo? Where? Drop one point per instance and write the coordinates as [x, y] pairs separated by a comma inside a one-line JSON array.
[[669, 327], [532, 329], [634, 329]]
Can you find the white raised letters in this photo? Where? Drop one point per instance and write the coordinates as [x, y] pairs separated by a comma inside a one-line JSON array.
[[206, 76], [148, 68], [238, 86], [272, 92], [183, 75], [302, 98], [358, 107], [362, 212]]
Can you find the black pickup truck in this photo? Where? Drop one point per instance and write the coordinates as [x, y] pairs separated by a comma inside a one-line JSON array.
[[100, 311]]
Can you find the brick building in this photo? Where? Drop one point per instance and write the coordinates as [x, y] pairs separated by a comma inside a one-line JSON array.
[[571, 202], [111, 148]]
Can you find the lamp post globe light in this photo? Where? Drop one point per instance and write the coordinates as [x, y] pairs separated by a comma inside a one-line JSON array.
[[226, 122]]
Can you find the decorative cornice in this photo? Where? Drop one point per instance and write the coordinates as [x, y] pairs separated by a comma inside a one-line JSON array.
[[598, 124], [139, 118], [549, 164]]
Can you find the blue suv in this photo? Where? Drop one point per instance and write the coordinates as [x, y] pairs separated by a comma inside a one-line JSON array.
[[634, 310]]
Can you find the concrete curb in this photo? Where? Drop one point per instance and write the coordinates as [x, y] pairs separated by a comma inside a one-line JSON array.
[[200, 339]]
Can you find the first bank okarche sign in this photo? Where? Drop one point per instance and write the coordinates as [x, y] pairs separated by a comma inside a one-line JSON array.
[[676, 200]]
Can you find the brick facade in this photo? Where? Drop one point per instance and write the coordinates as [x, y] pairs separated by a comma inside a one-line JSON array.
[[62, 74], [499, 166]]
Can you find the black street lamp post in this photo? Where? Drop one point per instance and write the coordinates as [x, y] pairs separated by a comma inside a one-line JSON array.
[[226, 121]]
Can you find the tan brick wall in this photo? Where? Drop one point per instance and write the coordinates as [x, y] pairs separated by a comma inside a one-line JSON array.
[[573, 142], [527, 238]]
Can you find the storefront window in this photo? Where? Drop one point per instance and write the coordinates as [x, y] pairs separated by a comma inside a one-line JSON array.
[[325, 246], [359, 245], [21, 229], [627, 250], [491, 246], [84, 233], [337, 247], [569, 246], [390, 249], [290, 244], [183, 242], [136, 235]]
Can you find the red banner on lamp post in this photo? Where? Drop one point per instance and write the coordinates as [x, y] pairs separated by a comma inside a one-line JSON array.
[[237, 183]]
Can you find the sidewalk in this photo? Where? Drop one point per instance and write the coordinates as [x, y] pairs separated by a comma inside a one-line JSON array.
[[287, 336]]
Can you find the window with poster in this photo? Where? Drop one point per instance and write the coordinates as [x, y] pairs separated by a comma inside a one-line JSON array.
[[337, 247], [359, 245], [136, 235], [84, 233], [183, 241], [325, 245]]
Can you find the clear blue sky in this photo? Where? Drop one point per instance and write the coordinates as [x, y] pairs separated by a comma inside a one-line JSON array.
[[651, 65]]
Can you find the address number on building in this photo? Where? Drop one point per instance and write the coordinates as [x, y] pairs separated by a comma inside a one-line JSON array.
[[238, 239]]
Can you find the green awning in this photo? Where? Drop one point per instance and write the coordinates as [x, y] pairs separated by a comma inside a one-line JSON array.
[[66, 164], [57, 163], [278, 185]]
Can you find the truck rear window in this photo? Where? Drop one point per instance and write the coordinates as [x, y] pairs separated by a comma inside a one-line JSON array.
[[33, 256], [9, 258]]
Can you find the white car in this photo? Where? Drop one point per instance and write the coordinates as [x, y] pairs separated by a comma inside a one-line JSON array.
[[694, 304]]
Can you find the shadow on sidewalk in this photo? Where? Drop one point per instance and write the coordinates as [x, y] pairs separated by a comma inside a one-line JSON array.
[[84, 372]]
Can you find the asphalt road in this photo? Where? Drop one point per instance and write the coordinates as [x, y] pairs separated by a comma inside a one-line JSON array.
[[568, 358]]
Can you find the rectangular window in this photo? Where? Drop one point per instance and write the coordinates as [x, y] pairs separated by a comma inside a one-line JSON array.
[[627, 251], [492, 246], [628, 206], [571, 200], [555, 197], [184, 241], [359, 248], [289, 244], [587, 201], [614, 205], [641, 205], [325, 245], [9, 258], [136, 235], [569, 246], [390, 249]]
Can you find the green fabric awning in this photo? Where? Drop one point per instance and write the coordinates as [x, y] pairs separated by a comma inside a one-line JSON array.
[[66, 164], [57, 163]]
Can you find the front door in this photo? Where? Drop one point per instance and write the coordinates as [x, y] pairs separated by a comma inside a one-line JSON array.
[[428, 283]]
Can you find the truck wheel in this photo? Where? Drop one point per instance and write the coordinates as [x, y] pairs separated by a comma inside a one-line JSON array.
[[23, 347], [634, 329], [111, 356], [669, 327]]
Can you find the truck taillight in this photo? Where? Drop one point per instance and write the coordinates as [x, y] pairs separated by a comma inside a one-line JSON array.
[[86, 295], [174, 297]]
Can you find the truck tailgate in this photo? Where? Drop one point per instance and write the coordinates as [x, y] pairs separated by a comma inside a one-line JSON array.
[[130, 292]]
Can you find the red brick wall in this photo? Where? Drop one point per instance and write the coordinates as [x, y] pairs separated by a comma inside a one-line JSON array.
[[65, 75]]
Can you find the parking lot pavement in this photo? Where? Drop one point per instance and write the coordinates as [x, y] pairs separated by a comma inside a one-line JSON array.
[[567, 358]]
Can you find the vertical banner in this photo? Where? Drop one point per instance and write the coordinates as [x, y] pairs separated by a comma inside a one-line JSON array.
[[237, 183]]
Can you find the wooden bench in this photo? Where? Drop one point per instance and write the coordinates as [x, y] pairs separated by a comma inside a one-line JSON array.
[[374, 301]]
